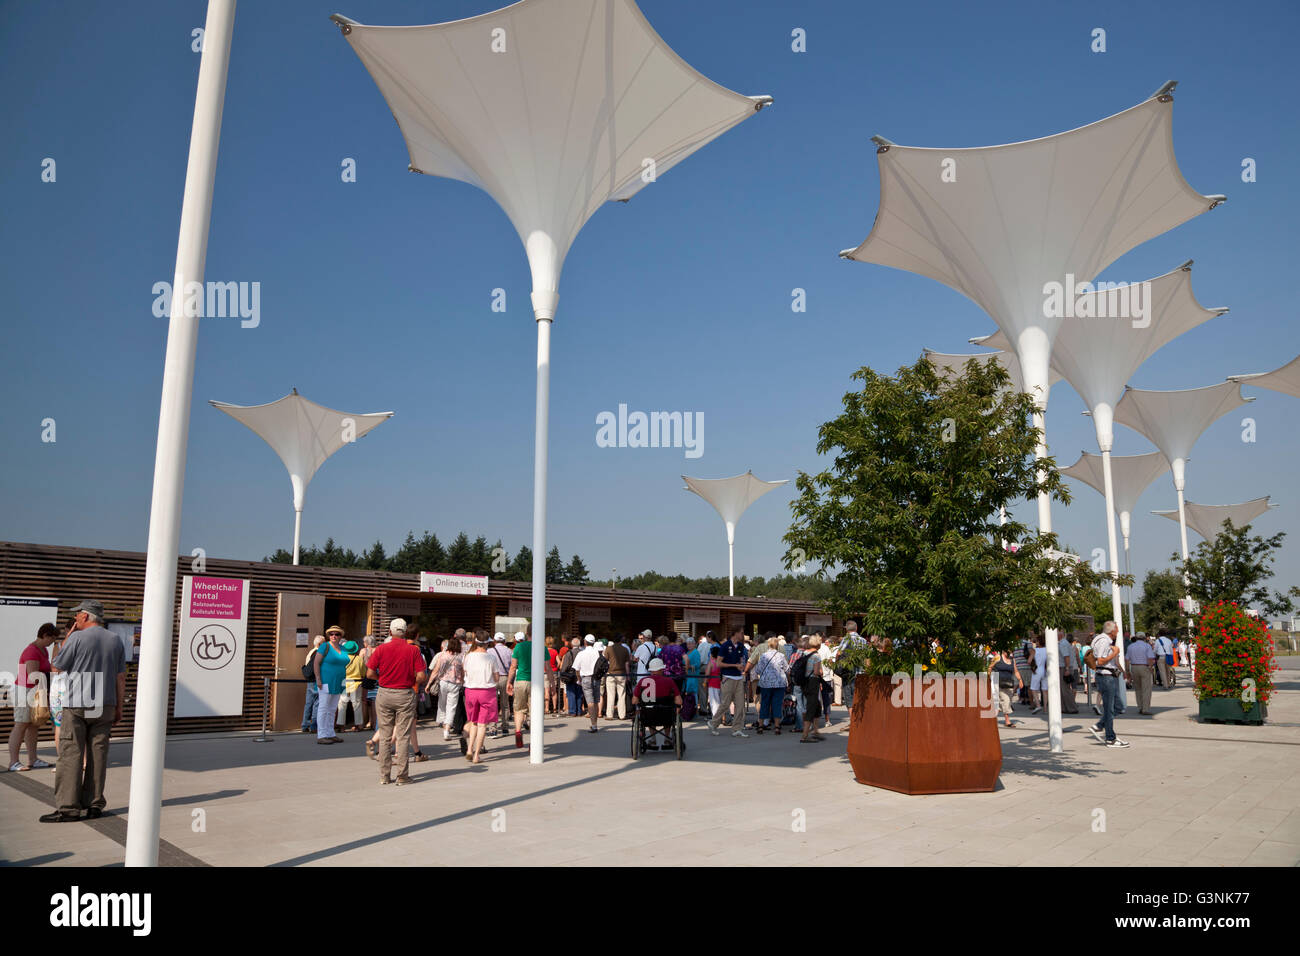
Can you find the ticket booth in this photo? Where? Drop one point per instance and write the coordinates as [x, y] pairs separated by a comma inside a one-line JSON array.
[[298, 619]]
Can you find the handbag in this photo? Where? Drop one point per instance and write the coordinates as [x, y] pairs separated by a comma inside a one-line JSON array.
[[40, 705]]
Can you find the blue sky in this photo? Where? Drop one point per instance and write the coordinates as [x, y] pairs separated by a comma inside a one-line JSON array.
[[376, 295]]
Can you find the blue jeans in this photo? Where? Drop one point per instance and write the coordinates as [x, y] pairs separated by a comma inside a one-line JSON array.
[[769, 706], [797, 694], [1108, 685], [309, 709], [573, 692], [846, 693]]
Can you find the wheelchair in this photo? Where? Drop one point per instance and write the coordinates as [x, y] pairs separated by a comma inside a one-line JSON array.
[[657, 726]]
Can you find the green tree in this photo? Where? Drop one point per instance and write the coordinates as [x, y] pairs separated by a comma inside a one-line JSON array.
[[1234, 568], [905, 520], [459, 555], [1157, 612], [576, 572], [521, 568], [375, 558], [480, 557], [554, 567]]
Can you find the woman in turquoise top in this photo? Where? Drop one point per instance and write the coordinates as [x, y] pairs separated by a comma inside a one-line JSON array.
[[331, 664], [692, 668]]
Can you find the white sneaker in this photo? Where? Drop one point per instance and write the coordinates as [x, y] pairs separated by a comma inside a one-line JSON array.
[[1096, 710], [740, 733], [1118, 743], [446, 734], [1035, 710], [715, 731], [1096, 732], [15, 767]]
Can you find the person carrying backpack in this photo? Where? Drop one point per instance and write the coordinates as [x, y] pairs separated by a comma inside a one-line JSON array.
[[808, 669], [309, 675], [569, 677]]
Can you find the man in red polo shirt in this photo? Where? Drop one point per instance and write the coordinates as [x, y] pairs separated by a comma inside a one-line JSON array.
[[398, 666]]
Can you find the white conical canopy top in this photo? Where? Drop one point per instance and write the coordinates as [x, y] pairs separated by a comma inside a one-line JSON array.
[[550, 106], [1099, 349], [996, 223], [949, 365], [1207, 520], [731, 496], [1285, 379], [1130, 476], [1173, 420], [302, 433]]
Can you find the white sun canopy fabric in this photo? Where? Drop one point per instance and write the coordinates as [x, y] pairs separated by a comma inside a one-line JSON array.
[[1207, 520], [303, 434], [730, 497], [552, 107], [949, 364], [1131, 475], [1285, 379], [1100, 349], [996, 223], [1174, 420]]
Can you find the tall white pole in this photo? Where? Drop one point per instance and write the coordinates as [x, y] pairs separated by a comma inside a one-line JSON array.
[[1116, 606], [158, 614], [1132, 625], [731, 559], [297, 527], [537, 689], [1034, 351]]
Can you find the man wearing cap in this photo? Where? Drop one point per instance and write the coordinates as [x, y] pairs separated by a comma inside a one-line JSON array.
[[500, 654], [658, 686], [519, 685], [95, 665], [585, 665], [399, 669]]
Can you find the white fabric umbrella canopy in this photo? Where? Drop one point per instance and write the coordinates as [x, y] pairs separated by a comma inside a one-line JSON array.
[[1285, 379], [1099, 354], [303, 434], [949, 364], [1130, 476], [1207, 520], [552, 107], [998, 223], [730, 497], [1173, 420]]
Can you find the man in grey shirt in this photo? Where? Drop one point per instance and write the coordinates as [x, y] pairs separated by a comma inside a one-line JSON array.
[[94, 661]]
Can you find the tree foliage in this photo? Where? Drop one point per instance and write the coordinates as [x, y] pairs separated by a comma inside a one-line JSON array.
[[904, 522], [1234, 567]]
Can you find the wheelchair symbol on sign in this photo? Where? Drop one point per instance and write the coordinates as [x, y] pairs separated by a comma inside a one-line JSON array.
[[213, 647]]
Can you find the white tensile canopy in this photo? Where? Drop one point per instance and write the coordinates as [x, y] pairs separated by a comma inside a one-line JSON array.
[[1285, 379], [552, 107], [303, 434], [1207, 520], [1100, 349], [1130, 476], [948, 364], [1173, 420], [730, 497], [999, 224]]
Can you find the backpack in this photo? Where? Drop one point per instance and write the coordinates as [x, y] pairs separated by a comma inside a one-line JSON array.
[[688, 706], [567, 673], [602, 667], [309, 669], [797, 671]]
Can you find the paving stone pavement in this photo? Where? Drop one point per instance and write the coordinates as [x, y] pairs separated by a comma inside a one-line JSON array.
[[1184, 794]]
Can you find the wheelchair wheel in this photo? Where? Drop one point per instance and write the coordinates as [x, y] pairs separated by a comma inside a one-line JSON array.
[[679, 745], [636, 736]]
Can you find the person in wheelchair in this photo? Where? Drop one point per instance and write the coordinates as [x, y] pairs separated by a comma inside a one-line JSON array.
[[658, 699]]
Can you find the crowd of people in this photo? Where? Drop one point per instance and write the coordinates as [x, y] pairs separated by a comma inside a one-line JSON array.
[[478, 686], [1097, 669]]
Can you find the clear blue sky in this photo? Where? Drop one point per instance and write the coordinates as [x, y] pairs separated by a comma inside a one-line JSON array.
[[376, 295]]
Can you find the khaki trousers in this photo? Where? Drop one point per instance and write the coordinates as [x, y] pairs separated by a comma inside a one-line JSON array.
[[395, 708], [82, 738], [733, 692], [1143, 679], [615, 697]]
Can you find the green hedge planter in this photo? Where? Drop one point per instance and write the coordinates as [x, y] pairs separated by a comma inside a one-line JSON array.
[[1227, 710]]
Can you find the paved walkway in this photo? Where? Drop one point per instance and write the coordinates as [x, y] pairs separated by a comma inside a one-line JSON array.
[[1183, 794]]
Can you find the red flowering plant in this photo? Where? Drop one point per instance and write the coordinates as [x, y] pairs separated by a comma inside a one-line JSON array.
[[1234, 656]]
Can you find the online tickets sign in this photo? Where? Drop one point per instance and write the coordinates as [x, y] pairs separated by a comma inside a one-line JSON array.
[[211, 647]]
